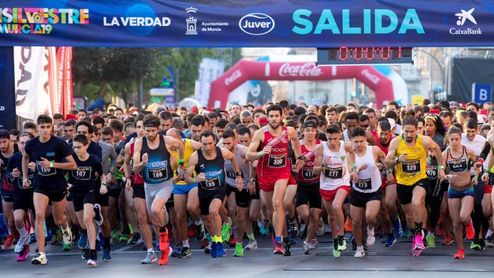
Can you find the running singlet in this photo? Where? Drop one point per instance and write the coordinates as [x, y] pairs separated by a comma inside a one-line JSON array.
[[369, 179], [378, 143], [276, 163], [413, 169], [230, 178], [137, 178], [158, 168], [335, 172], [305, 175], [460, 164], [16, 162], [212, 169]]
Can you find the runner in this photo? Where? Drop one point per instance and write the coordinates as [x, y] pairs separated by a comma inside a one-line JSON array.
[[459, 160], [239, 197], [51, 155], [366, 195], [185, 196], [7, 150], [23, 197], [274, 168], [407, 156], [152, 156], [83, 182], [308, 201], [209, 164]]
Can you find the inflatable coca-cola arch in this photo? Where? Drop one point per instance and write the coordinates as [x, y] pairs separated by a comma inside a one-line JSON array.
[[256, 70]]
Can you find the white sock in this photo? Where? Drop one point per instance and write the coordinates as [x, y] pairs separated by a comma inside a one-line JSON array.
[[151, 250], [489, 233], [185, 243]]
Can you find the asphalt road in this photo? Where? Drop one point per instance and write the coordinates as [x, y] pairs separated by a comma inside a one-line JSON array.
[[379, 262]]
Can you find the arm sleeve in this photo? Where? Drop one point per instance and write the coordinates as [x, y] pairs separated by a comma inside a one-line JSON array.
[[485, 150]]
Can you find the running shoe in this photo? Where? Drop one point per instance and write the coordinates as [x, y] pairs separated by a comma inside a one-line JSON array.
[[288, 246], [123, 238], [208, 247], [82, 243], [221, 251], [459, 255], [390, 240], [263, 229], [85, 254], [98, 217], [21, 243], [397, 230], [341, 243], [164, 247], [150, 258], [475, 245], [470, 231], [134, 239], [306, 247], [371, 239], [91, 263], [430, 239], [348, 225], [278, 249], [199, 231], [213, 250], [21, 256], [360, 253], [239, 250], [231, 242], [336, 252], [67, 239], [225, 231], [164, 256], [447, 240], [185, 253], [251, 245], [9, 241], [40, 258], [419, 240], [313, 244], [176, 252], [106, 254], [32, 238], [489, 242]]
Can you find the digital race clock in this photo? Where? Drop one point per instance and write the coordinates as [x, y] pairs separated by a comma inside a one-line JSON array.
[[364, 55]]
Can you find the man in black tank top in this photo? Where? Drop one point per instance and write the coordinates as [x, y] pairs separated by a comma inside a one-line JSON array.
[[208, 166], [152, 156]]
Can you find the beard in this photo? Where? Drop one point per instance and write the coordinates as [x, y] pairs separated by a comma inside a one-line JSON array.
[[274, 125], [409, 139]]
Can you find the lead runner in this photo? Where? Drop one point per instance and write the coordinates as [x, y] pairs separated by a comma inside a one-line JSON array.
[[270, 146]]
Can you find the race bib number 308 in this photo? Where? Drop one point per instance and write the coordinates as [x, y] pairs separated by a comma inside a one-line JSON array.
[[277, 161]]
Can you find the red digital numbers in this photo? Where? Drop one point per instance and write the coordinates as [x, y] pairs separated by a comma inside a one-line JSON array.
[[368, 54], [343, 53]]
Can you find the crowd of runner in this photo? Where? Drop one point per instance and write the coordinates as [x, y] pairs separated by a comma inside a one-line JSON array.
[[224, 177]]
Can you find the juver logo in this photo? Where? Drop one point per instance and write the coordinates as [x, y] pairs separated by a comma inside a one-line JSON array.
[[256, 24]]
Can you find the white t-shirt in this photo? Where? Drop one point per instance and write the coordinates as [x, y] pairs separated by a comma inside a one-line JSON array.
[[476, 145]]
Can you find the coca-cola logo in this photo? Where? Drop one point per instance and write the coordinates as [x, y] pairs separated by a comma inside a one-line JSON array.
[[232, 78], [372, 78], [302, 70]]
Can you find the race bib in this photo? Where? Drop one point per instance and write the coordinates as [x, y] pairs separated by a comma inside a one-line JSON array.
[[333, 173], [277, 161], [307, 173], [157, 174], [431, 171], [82, 173], [364, 184], [231, 175], [45, 172], [411, 167], [211, 184]]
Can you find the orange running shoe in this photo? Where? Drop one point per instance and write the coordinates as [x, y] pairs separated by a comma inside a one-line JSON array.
[[470, 231], [9, 242], [447, 240], [164, 247], [460, 254]]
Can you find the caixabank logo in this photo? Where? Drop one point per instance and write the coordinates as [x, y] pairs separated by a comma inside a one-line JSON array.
[[465, 20], [39, 21]]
